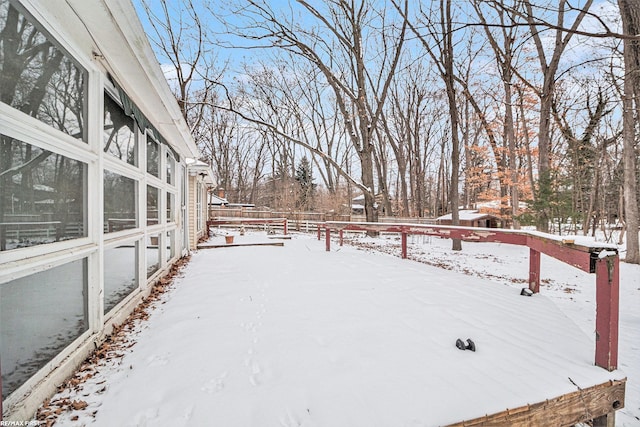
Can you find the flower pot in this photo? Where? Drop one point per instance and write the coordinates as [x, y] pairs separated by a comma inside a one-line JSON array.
[[228, 239]]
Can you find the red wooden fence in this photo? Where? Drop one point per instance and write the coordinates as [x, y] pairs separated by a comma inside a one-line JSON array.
[[592, 257]]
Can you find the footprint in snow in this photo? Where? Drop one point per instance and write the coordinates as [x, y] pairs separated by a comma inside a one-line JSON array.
[[215, 385], [256, 371], [249, 327], [157, 360], [150, 417], [290, 420]]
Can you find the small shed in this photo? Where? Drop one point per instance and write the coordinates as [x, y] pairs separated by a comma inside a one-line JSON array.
[[217, 202], [357, 204], [473, 218]]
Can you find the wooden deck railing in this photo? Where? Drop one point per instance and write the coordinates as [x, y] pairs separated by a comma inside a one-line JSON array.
[[247, 221], [591, 257]]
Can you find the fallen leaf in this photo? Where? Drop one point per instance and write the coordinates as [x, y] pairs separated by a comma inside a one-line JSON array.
[[79, 404]]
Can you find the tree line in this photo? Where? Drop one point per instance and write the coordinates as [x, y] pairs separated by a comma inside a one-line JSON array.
[[530, 107]]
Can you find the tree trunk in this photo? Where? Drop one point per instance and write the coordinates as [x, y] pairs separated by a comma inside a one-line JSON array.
[[449, 80], [366, 164], [544, 143], [511, 145], [630, 13]]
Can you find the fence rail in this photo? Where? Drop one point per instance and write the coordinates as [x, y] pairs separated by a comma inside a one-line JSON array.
[[247, 221], [305, 221], [290, 215]]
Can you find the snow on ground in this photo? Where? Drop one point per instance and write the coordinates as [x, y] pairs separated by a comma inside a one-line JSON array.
[[571, 290], [295, 336]]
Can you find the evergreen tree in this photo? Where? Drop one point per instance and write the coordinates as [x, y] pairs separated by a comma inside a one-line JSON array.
[[304, 178]]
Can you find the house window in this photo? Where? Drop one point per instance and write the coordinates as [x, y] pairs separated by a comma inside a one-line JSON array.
[[153, 254], [153, 157], [171, 169], [170, 207], [153, 203], [120, 278], [120, 201], [37, 77], [40, 315], [170, 245], [119, 135], [42, 196]]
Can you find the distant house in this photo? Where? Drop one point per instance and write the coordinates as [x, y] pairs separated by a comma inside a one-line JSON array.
[[473, 218], [357, 204], [218, 202]]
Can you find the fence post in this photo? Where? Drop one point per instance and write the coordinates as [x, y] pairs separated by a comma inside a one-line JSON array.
[[318, 231], [327, 238], [341, 235], [607, 307], [285, 226], [534, 270]]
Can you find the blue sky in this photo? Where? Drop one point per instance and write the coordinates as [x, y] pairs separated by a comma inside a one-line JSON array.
[[215, 27]]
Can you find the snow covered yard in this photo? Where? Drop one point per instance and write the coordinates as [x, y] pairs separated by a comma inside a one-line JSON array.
[[295, 336], [572, 290]]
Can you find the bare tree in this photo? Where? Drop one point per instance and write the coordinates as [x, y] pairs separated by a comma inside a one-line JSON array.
[[409, 122], [235, 151], [630, 13], [583, 155], [340, 44], [311, 102], [549, 68], [504, 50], [439, 44], [180, 38]]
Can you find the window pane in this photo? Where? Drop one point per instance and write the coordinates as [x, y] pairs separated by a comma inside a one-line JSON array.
[[119, 202], [185, 184], [40, 315], [170, 210], [120, 266], [118, 136], [171, 165], [170, 245], [42, 196], [153, 254], [153, 157], [153, 200], [37, 77]]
